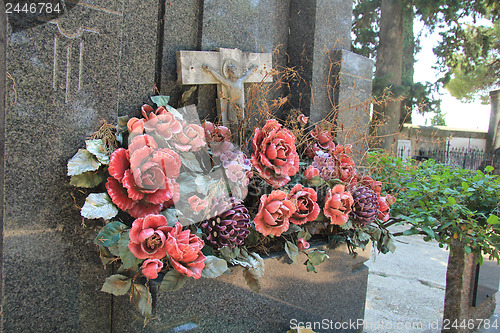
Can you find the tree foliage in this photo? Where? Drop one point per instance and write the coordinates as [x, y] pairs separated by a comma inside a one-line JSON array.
[[473, 69], [468, 54], [443, 203]]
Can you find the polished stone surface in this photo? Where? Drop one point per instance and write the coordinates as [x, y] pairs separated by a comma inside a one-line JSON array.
[[98, 62], [316, 29], [182, 31], [259, 26], [289, 295], [66, 76], [353, 88]]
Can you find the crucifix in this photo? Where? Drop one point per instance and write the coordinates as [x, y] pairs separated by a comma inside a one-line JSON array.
[[230, 69]]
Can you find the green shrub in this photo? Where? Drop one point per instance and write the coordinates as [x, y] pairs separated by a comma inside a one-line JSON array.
[[443, 202]]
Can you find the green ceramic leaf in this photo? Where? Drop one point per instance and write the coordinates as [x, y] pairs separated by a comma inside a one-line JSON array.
[[127, 258], [187, 183], [292, 250], [172, 216], [87, 179], [310, 267], [189, 161], [141, 298], [117, 284], [105, 255], [122, 121], [187, 94], [99, 205], [174, 111], [160, 100], [110, 234], [363, 236], [81, 162], [252, 279], [172, 281], [98, 149], [316, 181], [121, 128], [214, 267], [304, 234], [316, 257]]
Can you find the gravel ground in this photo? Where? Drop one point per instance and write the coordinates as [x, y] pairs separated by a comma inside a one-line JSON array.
[[406, 289]]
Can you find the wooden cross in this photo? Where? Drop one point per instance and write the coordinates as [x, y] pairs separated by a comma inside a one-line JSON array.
[[229, 69]]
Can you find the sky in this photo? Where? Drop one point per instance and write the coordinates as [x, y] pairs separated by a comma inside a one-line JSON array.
[[458, 115]]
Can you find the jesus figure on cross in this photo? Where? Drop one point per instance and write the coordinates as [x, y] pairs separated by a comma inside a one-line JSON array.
[[235, 90]]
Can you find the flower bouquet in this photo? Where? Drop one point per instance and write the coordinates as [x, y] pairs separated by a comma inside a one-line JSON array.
[[179, 200]]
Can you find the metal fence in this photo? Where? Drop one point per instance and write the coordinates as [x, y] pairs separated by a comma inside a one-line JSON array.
[[467, 158]]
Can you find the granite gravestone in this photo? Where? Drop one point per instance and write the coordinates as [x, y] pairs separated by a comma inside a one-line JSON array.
[[311, 37], [332, 300], [66, 73], [96, 62]]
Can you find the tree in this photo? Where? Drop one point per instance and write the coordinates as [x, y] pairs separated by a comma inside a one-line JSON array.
[[473, 69], [384, 45], [389, 70]]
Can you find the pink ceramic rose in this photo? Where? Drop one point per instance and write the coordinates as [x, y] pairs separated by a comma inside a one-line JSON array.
[[274, 213], [151, 267], [306, 206], [148, 237], [384, 209], [136, 126], [143, 177], [274, 154], [197, 204], [215, 133], [338, 205], [302, 244], [302, 119], [184, 250], [191, 138], [311, 172], [164, 124]]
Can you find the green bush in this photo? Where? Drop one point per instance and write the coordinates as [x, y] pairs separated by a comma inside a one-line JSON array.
[[443, 202]]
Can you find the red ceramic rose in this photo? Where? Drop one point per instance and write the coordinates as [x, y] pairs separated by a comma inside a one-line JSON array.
[[384, 206], [148, 237], [311, 172], [323, 138], [384, 209], [151, 267], [274, 153], [338, 205], [197, 204], [274, 213], [164, 124], [215, 133], [136, 126], [375, 185], [191, 138], [306, 207], [143, 177], [302, 244], [322, 141], [302, 119], [184, 250], [346, 169]]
